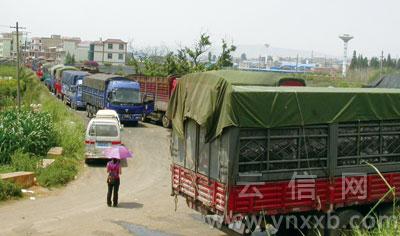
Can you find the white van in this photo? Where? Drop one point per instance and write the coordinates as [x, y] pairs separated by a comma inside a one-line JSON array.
[[100, 134], [110, 114]]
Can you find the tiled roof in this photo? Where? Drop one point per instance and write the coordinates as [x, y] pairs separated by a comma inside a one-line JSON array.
[[114, 41]]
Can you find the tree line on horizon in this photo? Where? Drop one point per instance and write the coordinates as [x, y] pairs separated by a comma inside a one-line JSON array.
[[361, 62]]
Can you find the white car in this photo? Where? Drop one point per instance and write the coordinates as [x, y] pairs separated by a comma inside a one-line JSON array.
[[101, 133], [108, 114]]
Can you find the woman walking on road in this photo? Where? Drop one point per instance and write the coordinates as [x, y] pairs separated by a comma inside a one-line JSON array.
[[114, 171]]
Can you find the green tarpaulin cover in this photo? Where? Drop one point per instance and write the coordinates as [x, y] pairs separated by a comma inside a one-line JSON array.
[[60, 70], [219, 99], [98, 81]]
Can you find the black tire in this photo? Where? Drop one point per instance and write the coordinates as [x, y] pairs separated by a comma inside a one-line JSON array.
[[88, 111], [166, 123], [145, 119]]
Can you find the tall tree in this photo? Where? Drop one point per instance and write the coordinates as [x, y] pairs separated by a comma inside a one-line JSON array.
[[353, 63], [243, 57], [200, 47], [225, 59]]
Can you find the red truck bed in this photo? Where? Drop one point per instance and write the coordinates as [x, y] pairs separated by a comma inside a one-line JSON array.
[[275, 197], [159, 87]]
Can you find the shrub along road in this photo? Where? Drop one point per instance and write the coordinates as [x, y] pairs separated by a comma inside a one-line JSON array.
[[146, 207]]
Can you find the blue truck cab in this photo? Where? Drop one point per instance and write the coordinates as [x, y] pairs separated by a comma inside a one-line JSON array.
[[71, 86], [108, 91]]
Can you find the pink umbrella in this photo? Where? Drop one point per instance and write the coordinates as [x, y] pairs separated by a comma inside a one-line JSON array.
[[117, 152]]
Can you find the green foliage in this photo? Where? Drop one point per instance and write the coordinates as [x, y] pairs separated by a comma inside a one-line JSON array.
[[6, 70], [361, 62], [9, 190], [69, 59], [200, 47], [67, 130], [225, 59], [21, 161], [185, 60], [6, 169], [59, 173], [27, 131], [243, 57]]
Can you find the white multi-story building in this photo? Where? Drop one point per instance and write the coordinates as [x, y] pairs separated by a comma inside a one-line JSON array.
[[109, 51], [8, 44], [5, 47], [75, 47]]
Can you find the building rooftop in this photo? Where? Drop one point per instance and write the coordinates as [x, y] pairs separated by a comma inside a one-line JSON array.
[[114, 41]]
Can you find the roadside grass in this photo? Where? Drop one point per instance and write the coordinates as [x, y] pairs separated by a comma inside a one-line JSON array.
[[9, 190], [66, 127], [7, 70], [59, 173], [69, 129], [389, 225]]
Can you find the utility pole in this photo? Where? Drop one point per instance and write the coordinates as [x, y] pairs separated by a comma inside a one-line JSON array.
[[381, 66], [18, 58]]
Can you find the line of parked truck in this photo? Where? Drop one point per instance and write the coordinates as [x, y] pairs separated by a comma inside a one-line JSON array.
[[133, 97]]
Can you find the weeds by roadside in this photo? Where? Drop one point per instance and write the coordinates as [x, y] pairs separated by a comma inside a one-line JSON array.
[[61, 172], [9, 190], [30, 135]]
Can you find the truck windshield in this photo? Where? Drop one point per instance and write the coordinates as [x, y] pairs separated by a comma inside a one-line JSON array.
[[122, 95]]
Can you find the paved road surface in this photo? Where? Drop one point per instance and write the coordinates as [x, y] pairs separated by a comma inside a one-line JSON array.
[[146, 207]]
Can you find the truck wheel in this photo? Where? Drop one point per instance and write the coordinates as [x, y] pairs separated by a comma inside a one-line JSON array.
[[88, 111], [166, 123], [145, 119]]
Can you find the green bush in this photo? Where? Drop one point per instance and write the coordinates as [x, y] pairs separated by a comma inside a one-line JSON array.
[[28, 131], [60, 172], [9, 190], [66, 129], [6, 169], [21, 161]]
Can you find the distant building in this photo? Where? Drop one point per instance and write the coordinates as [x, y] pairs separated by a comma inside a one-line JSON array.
[[8, 44], [75, 47], [5, 47], [109, 51], [46, 47]]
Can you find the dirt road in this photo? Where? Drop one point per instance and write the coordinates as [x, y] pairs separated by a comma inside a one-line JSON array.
[[146, 207]]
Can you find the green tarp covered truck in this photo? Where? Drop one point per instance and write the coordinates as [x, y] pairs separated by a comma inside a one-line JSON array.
[[239, 146]]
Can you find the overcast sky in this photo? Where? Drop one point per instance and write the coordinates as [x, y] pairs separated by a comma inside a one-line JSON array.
[[305, 25]]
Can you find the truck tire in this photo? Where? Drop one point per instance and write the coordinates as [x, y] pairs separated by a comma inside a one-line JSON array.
[[88, 111], [166, 123]]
